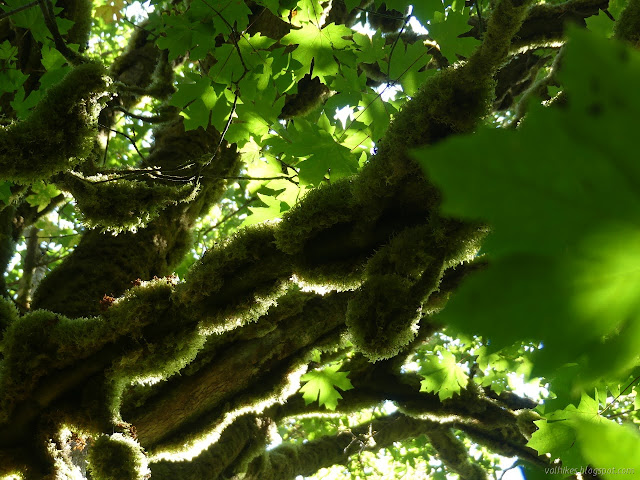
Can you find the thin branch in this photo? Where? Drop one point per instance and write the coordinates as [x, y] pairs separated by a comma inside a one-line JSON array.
[[19, 9], [228, 216], [134, 25], [153, 119], [279, 177], [144, 159], [56, 236], [233, 39], [44, 262], [226, 127], [620, 394], [50, 21], [395, 42], [224, 132], [514, 465]]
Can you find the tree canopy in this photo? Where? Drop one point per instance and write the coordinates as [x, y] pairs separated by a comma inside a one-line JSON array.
[[276, 239]]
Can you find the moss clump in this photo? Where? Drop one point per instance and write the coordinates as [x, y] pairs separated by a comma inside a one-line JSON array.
[[150, 363], [117, 457], [448, 103], [336, 275], [237, 281], [119, 205], [8, 315], [321, 208], [60, 131], [627, 27], [80, 12], [407, 254], [381, 316], [42, 341], [140, 306]]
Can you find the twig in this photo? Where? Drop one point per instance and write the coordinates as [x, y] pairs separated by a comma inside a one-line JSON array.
[[19, 9], [280, 177], [144, 159], [233, 39], [619, 395], [57, 236], [229, 216], [395, 42], [50, 21], [153, 119], [134, 25], [515, 465]]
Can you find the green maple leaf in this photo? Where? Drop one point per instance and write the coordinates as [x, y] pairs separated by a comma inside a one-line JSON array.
[[22, 105], [177, 36], [306, 10], [232, 12], [446, 33], [189, 91], [554, 435], [405, 64], [273, 208], [563, 214], [255, 118], [577, 436], [8, 51], [196, 115], [601, 23], [323, 154], [318, 44], [370, 49], [41, 195], [321, 385], [443, 375], [230, 68], [557, 433]]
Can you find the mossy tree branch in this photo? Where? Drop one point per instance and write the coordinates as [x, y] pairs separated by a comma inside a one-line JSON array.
[[235, 284]]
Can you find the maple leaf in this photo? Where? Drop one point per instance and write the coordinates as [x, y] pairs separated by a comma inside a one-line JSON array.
[[443, 375], [321, 386], [318, 44]]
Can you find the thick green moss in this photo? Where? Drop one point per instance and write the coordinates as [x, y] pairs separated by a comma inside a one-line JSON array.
[[60, 131], [39, 342], [239, 443], [407, 254], [80, 12], [381, 316], [627, 27], [237, 281], [42, 341], [8, 315], [150, 363], [119, 205], [321, 208], [117, 457]]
